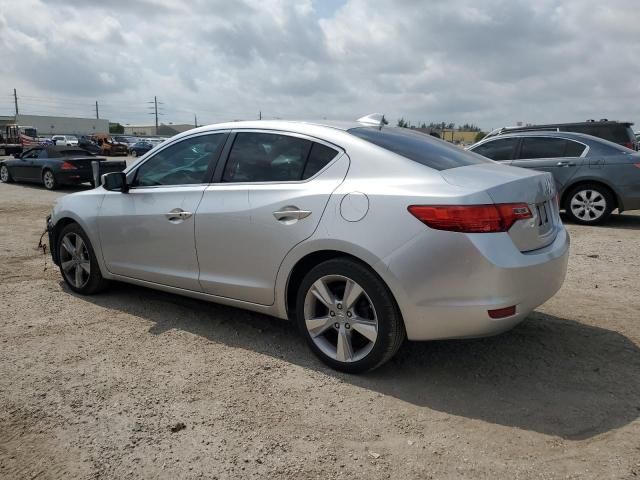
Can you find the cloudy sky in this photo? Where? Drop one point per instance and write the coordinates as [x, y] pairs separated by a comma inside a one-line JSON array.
[[493, 62]]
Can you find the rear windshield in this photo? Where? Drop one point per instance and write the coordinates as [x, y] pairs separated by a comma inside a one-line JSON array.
[[418, 147]]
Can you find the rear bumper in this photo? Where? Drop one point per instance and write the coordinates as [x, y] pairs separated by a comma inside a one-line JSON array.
[[73, 176], [445, 284]]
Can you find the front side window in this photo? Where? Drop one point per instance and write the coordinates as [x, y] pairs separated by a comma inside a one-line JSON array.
[[270, 157], [501, 149], [183, 163], [542, 147]]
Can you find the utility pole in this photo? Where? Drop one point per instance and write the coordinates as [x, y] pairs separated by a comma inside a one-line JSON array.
[[155, 103], [97, 114], [155, 110], [195, 120], [15, 100], [260, 115]]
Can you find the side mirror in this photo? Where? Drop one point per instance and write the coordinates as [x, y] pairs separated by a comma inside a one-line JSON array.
[[115, 182]]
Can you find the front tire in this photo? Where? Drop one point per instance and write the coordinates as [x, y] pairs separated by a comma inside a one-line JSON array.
[[78, 264], [589, 204], [5, 175], [134, 153], [348, 316], [49, 180]]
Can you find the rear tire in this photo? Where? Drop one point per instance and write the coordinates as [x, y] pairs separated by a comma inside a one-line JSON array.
[[78, 264], [49, 180], [5, 175], [134, 153], [348, 316], [589, 204]]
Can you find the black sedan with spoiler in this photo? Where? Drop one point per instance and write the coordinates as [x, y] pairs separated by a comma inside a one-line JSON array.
[[56, 165]]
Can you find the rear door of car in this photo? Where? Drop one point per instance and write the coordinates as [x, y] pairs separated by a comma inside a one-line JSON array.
[[559, 156], [267, 196]]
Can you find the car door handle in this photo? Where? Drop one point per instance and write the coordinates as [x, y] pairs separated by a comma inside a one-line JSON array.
[[287, 214], [177, 214], [566, 163]]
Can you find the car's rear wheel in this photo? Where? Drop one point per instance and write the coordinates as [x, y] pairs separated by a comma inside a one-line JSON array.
[[49, 180], [134, 153], [78, 263], [589, 204], [5, 175], [348, 316]]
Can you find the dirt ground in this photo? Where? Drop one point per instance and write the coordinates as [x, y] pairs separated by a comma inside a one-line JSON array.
[[134, 383]]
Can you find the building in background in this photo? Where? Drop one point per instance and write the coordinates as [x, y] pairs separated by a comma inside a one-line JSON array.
[[164, 130], [50, 125]]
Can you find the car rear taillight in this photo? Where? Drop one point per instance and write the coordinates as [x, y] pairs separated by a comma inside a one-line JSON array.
[[471, 218], [67, 166], [631, 145]]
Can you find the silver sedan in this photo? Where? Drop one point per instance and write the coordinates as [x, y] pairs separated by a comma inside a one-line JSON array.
[[362, 234]]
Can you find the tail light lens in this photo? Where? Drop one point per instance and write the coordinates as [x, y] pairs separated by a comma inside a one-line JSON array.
[[471, 218], [67, 166]]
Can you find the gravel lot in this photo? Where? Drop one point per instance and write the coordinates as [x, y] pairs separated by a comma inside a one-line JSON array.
[[134, 383]]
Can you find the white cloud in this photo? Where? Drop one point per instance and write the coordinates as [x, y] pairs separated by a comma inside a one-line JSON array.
[[492, 63]]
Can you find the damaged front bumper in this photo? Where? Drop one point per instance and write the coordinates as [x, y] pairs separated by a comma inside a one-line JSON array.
[[51, 236]]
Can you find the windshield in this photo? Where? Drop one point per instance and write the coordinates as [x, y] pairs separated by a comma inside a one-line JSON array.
[[419, 147]]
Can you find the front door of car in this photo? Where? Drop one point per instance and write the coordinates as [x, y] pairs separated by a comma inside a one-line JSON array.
[[24, 165], [499, 149], [148, 233], [558, 156], [268, 197]]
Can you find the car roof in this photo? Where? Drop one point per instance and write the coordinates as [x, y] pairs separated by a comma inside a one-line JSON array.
[[583, 137]]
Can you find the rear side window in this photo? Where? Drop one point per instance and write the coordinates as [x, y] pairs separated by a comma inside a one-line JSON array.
[[573, 149], [502, 149], [271, 157], [418, 147], [541, 147], [319, 157]]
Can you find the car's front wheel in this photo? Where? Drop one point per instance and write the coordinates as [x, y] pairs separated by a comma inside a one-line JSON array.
[[134, 153], [78, 263], [589, 204], [5, 175], [348, 316]]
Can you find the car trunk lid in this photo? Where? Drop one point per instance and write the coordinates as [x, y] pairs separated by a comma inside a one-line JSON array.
[[506, 184]]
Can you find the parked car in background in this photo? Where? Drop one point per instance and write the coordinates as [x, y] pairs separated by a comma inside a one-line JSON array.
[[125, 139], [45, 141], [86, 143], [154, 140], [593, 176], [108, 146], [358, 233], [65, 140], [140, 148], [616, 132], [54, 166]]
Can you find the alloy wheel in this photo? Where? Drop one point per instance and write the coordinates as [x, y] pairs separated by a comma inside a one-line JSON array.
[[48, 179], [75, 260], [588, 205], [340, 318], [4, 174]]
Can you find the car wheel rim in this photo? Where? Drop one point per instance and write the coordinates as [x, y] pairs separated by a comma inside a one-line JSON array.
[[4, 174], [75, 260], [588, 205], [340, 318], [48, 179]]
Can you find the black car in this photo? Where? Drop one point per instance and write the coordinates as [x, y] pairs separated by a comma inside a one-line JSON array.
[[616, 132], [55, 165], [140, 148]]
